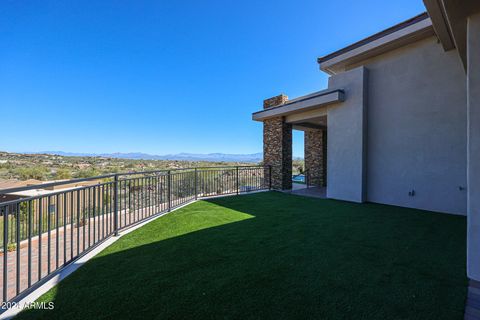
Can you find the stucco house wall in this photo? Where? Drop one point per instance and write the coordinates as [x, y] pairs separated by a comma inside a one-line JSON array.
[[346, 147], [398, 135], [417, 126]]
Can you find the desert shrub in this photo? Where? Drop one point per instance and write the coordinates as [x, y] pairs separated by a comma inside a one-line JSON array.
[[63, 173], [39, 173]]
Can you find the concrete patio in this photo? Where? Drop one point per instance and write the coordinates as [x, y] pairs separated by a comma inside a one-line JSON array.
[[300, 189]]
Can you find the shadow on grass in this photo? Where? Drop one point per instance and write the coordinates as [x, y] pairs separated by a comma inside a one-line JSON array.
[[274, 256]]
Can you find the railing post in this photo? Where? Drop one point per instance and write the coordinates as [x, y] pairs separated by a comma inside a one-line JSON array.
[[238, 181], [115, 206], [195, 183], [270, 177], [5, 253], [169, 191]]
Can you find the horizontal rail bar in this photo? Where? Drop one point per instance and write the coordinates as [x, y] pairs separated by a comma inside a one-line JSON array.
[[184, 169], [112, 175]]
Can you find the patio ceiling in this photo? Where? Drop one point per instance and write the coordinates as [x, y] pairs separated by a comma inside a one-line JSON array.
[[309, 123]]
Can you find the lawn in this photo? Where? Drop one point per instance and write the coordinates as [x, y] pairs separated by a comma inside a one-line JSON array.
[[274, 256]]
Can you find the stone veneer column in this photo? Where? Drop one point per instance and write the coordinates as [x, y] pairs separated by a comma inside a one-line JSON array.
[[277, 146], [315, 149]]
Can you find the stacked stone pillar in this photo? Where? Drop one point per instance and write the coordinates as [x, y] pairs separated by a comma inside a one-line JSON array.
[[315, 149], [277, 146]]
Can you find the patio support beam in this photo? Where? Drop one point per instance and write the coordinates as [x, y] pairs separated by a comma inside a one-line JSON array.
[[277, 146], [310, 102]]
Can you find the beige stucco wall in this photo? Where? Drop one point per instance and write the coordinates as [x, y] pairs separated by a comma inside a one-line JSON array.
[[416, 132], [346, 137], [473, 88]]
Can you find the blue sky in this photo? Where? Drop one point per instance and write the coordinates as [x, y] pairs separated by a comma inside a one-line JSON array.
[[166, 76]]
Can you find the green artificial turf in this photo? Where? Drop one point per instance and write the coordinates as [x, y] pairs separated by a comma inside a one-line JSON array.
[[274, 256]]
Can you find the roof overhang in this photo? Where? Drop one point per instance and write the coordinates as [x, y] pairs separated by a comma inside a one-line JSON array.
[[301, 104], [449, 18], [402, 34], [440, 25]]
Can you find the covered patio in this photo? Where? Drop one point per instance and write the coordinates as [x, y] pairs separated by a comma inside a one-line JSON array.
[[334, 126], [280, 116]]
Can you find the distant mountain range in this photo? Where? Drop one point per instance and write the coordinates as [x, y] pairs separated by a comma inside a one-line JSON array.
[[214, 157]]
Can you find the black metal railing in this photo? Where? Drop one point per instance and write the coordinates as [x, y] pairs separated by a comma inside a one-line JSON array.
[[44, 232]]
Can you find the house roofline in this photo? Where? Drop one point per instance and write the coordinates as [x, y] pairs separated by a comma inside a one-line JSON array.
[[378, 35]]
